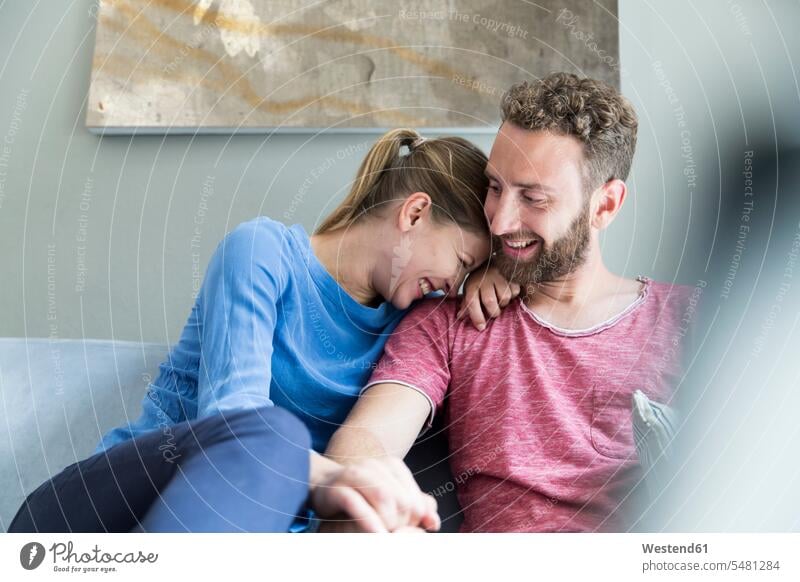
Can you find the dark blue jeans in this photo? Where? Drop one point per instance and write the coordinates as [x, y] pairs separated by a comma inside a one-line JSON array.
[[245, 470]]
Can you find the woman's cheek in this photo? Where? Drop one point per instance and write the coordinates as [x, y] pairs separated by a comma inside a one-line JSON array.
[[400, 298]]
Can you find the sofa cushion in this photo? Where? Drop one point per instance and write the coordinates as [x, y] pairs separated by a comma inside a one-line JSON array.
[[57, 399]]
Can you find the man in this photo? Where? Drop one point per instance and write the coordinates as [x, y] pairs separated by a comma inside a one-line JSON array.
[[538, 403]]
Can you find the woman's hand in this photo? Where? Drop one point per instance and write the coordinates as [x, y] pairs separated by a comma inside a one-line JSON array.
[[373, 495], [486, 293]]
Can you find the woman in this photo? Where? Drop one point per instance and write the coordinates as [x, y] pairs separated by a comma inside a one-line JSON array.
[[285, 322]]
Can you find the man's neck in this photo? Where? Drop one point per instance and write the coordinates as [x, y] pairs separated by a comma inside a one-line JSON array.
[[578, 287], [584, 298]]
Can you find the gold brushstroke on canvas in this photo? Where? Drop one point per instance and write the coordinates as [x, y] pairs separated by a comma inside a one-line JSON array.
[[142, 30], [341, 63]]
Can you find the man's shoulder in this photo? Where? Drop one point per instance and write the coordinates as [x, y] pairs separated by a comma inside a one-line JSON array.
[[677, 310], [676, 298], [673, 292], [432, 312]]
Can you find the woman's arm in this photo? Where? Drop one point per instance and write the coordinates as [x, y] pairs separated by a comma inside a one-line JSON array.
[[369, 495], [236, 318], [486, 293]]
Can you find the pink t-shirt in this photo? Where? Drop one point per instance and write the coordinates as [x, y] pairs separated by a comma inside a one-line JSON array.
[[538, 417]]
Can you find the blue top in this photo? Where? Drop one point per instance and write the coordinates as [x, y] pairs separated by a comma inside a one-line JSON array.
[[270, 326]]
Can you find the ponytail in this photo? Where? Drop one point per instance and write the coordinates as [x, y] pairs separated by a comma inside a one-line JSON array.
[[380, 158], [449, 169]]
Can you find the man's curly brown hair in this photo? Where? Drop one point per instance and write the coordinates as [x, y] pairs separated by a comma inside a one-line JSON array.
[[591, 110]]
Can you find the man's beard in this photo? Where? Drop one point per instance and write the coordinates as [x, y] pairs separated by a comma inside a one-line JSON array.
[[552, 261]]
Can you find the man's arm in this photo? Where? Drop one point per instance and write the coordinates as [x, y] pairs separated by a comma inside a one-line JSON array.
[[409, 382], [381, 427], [384, 422]]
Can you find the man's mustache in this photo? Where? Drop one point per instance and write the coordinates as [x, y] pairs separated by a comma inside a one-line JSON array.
[[497, 241]]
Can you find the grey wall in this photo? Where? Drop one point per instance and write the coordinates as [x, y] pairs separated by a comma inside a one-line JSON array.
[[97, 234]]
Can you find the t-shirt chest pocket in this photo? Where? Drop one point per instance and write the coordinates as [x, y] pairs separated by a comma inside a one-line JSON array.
[[611, 427]]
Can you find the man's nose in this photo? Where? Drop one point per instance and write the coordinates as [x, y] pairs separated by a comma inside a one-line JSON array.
[[506, 216]]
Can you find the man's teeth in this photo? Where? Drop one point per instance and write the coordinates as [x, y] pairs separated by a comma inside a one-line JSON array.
[[519, 244], [423, 284]]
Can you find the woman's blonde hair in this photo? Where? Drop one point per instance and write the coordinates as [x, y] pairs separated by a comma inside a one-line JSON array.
[[448, 169]]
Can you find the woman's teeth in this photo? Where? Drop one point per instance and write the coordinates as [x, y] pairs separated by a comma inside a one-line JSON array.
[[425, 286], [519, 244]]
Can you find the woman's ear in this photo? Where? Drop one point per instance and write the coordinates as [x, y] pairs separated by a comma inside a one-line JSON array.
[[417, 206]]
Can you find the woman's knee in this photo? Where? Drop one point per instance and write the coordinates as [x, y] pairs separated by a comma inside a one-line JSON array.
[[245, 425], [40, 512]]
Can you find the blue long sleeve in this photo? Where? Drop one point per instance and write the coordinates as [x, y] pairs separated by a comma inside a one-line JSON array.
[[269, 326], [238, 312]]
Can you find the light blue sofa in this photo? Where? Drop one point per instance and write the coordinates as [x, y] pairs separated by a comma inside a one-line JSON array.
[[58, 397]]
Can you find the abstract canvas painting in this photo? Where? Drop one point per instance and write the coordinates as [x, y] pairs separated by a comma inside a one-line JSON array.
[[337, 65]]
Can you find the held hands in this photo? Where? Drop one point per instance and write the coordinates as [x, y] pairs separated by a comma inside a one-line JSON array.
[[486, 293], [373, 495]]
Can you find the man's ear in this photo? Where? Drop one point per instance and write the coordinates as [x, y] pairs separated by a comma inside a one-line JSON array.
[[417, 206], [607, 201]]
